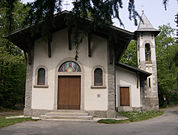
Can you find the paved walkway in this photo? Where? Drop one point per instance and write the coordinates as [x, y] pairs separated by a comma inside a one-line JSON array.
[[166, 124]]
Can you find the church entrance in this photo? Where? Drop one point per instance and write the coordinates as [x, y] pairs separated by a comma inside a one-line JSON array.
[[69, 92]]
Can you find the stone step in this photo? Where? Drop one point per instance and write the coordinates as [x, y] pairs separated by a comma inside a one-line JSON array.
[[68, 110], [71, 120], [66, 115]]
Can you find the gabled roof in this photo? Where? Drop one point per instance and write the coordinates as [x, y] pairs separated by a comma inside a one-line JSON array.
[[133, 69], [146, 26], [21, 37]]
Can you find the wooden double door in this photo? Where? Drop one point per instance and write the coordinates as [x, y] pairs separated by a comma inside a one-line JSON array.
[[69, 92]]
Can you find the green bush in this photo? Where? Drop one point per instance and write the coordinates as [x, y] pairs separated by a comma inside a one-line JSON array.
[[12, 75], [173, 98], [112, 121]]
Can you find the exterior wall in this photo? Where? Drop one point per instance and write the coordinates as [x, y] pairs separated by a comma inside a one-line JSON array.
[[92, 98], [126, 78], [150, 97]]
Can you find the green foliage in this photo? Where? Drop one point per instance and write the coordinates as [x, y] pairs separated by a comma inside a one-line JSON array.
[[173, 97], [176, 21], [176, 57], [166, 50], [101, 11], [138, 116], [12, 15], [12, 76], [12, 61], [130, 55]]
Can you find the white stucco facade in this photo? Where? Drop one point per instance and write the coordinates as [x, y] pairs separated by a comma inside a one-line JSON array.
[[92, 98], [126, 78]]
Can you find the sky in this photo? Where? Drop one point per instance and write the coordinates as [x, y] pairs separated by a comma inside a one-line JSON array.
[[153, 9]]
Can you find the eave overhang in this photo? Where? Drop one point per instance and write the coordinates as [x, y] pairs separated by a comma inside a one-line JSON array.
[[138, 71], [120, 37], [137, 32]]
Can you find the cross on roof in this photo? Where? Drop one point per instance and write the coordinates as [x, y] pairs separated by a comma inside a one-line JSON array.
[[66, 4]]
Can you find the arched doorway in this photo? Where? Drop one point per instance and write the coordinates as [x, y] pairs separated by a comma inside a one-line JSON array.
[[69, 86]]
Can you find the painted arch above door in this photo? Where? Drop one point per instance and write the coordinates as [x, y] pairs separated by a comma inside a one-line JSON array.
[[69, 66]]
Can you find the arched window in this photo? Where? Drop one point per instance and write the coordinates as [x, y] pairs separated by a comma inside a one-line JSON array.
[[147, 52], [41, 76], [98, 77]]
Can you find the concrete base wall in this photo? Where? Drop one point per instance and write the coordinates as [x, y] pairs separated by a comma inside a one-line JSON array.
[[99, 114], [150, 104], [38, 112], [35, 112], [128, 108]]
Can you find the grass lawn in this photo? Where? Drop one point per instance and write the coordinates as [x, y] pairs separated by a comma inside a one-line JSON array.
[[139, 116], [8, 112], [112, 121], [133, 116], [7, 122]]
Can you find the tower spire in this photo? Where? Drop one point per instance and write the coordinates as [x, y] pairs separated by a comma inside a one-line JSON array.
[[145, 25]]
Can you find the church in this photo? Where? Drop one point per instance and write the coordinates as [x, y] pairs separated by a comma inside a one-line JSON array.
[[96, 84]]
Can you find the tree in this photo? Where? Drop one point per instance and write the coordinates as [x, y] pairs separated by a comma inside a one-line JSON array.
[[12, 76], [166, 50], [12, 61], [130, 55], [102, 11], [176, 21]]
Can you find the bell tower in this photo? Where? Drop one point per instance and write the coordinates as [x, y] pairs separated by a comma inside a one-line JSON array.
[[146, 59]]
